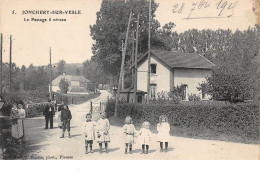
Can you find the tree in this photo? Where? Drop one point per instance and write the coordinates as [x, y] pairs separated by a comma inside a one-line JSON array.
[[235, 77], [77, 72], [64, 86], [110, 30], [94, 72], [61, 67], [22, 78]]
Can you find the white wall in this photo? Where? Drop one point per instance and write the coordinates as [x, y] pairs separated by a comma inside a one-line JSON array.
[[74, 83], [55, 88], [192, 78], [162, 78], [165, 79]]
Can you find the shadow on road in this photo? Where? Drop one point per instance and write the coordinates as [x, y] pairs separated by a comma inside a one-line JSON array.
[[113, 149], [170, 149], [140, 151], [35, 135], [77, 135]]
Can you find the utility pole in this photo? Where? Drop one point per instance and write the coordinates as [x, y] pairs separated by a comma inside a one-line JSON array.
[[122, 66], [10, 64], [149, 54], [133, 61], [1, 61], [50, 77], [123, 72], [136, 51]]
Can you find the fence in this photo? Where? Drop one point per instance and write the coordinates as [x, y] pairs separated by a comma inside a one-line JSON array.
[[97, 107]]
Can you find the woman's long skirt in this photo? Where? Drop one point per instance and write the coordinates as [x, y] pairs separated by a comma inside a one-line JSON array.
[[18, 129]]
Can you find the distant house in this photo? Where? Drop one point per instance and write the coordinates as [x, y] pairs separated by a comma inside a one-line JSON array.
[[76, 83], [170, 69]]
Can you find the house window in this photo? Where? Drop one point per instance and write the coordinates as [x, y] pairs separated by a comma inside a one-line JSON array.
[[184, 92], [153, 91], [153, 68]]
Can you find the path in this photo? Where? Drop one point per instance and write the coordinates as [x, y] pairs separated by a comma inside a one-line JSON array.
[[47, 144]]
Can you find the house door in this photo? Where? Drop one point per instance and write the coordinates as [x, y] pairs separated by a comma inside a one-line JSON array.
[[139, 99]]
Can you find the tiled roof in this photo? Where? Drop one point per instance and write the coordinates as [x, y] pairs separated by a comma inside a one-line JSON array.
[[183, 60], [175, 59]]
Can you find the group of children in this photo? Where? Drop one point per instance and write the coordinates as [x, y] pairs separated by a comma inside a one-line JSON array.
[[100, 132]]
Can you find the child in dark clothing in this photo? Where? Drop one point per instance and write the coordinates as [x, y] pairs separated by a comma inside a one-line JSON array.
[[65, 119]]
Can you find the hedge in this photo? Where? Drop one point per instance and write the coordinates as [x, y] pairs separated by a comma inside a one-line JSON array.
[[240, 120], [25, 97]]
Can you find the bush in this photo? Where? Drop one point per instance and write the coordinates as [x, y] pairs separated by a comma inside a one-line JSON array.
[[194, 97], [25, 97], [64, 86], [240, 120]]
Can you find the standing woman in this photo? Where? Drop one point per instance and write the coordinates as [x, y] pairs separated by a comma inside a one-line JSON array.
[[17, 124], [22, 115]]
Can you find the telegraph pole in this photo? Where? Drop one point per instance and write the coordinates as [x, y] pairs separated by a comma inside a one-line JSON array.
[[1, 61], [122, 66], [123, 72], [10, 64], [133, 61], [149, 54], [136, 51], [50, 77]]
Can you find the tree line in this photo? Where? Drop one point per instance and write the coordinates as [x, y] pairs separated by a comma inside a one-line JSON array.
[[36, 79]]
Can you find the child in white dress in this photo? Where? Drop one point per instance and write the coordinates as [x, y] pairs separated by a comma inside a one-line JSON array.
[[163, 128], [145, 136], [103, 127], [89, 132], [129, 133]]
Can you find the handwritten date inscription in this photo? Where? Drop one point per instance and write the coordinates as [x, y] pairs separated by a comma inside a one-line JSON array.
[[218, 9]]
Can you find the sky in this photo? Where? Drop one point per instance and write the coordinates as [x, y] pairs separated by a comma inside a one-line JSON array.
[[70, 40]]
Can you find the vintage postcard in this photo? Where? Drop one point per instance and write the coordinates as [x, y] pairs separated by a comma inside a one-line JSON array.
[[129, 79]]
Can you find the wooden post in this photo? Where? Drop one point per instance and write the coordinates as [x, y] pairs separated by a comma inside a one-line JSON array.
[[133, 60], [91, 109], [122, 66], [123, 72], [1, 61], [136, 51], [50, 78], [100, 107], [10, 65], [149, 54]]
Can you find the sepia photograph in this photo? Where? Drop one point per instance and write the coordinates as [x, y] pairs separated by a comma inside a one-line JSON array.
[[129, 79]]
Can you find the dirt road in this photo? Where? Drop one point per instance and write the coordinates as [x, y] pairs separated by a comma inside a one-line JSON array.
[[46, 144]]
